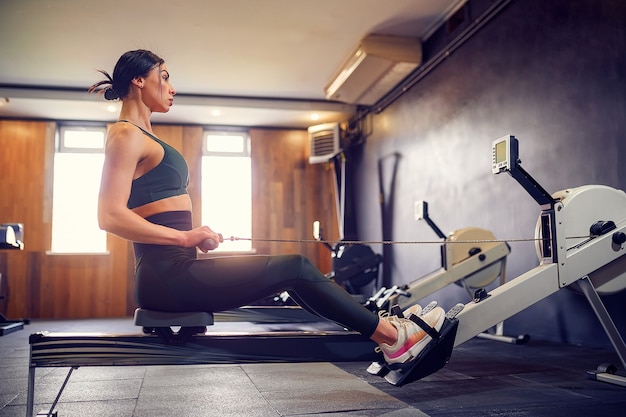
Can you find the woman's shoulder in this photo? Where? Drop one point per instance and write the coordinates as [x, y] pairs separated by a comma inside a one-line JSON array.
[[123, 127], [125, 136], [124, 130]]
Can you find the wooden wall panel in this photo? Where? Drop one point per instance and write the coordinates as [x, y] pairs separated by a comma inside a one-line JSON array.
[[24, 146], [288, 195]]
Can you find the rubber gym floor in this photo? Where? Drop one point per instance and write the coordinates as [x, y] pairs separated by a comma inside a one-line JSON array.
[[483, 378]]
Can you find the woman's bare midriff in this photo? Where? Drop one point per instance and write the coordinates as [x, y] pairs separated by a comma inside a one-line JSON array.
[[177, 203]]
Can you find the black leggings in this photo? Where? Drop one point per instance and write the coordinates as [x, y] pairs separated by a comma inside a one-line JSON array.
[[170, 278]]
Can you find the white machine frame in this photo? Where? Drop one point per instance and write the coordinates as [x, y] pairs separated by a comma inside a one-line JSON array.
[[489, 261], [470, 257], [595, 264]]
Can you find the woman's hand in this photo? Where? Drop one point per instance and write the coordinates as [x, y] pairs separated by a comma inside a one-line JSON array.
[[205, 238]]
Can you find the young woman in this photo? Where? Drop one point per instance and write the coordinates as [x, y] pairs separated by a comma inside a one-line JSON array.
[[143, 198]]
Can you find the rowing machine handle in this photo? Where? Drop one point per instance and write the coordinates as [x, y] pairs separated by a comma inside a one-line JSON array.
[[210, 244]]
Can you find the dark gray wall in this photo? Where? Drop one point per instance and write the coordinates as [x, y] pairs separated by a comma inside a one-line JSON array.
[[552, 73]]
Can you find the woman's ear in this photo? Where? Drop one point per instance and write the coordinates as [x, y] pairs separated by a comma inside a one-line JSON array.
[[138, 81]]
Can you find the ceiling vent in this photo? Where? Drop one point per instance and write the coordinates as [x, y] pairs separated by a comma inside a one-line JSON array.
[[378, 64], [324, 142]]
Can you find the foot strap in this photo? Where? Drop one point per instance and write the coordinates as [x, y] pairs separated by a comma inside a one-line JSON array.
[[397, 311], [432, 332]]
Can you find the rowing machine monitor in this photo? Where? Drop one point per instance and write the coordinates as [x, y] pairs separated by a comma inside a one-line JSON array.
[[505, 157], [505, 154]]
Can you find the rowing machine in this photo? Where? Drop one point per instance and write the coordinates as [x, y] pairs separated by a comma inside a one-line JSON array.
[[471, 257], [581, 235]]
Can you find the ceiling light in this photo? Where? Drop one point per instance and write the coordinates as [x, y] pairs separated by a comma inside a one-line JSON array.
[[315, 116], [216, 112]]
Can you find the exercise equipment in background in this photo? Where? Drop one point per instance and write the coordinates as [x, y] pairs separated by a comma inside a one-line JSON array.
[[11, 236], [471, 257], [354, 265]]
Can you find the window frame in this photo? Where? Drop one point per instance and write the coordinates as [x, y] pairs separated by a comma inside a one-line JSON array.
[[245, 152], [61, 147], [226, 132], [86, 127]]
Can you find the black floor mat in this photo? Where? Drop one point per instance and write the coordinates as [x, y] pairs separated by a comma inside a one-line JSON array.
[[489, 378]]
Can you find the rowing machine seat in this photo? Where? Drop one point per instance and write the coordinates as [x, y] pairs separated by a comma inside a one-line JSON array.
[[161, 323], [153, 318]]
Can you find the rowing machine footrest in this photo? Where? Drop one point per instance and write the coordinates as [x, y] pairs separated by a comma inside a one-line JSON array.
[[162, 322], [434, 357]]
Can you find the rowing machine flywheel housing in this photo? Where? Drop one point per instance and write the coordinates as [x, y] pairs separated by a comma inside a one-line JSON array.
[[585, 209], [355, 266]]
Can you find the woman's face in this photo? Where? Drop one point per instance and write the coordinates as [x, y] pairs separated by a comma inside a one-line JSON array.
[[158, 92]]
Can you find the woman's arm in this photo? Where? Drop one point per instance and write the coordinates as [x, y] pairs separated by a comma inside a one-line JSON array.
[[125, 148]]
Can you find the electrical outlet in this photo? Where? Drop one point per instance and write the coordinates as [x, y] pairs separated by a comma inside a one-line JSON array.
[[420, 209]]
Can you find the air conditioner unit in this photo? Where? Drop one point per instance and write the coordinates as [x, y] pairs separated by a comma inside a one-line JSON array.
[[377, 65], [324, 142]]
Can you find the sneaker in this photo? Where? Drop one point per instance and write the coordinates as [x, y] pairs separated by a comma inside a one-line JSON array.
[[418, 310], [414, 309], [412, 339]]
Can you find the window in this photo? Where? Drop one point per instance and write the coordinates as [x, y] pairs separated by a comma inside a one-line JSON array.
[[77, 170], [227, 188]]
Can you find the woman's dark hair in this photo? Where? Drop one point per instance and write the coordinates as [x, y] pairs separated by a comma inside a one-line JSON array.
[[130, 65]]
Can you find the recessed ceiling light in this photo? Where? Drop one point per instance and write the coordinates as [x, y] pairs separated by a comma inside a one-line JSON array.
[[111, 108], [216, 112], [315, 116]]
